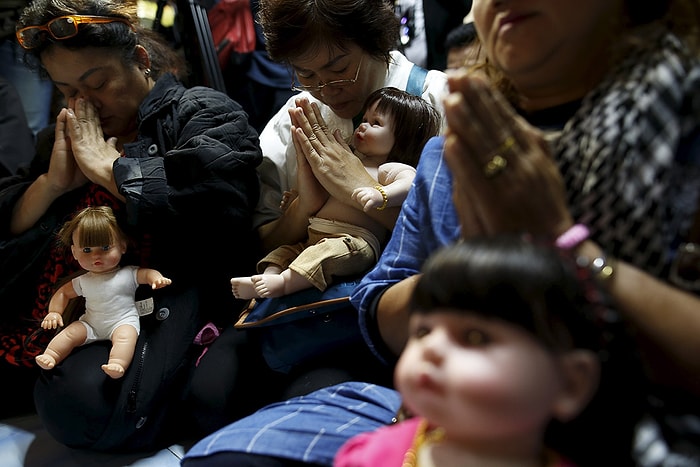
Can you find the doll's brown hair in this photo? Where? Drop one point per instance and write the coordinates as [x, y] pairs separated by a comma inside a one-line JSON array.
[[414, 119], [96, 226]]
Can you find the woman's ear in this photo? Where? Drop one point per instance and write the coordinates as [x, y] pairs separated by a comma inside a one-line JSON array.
[[142, 57], [580, 371]]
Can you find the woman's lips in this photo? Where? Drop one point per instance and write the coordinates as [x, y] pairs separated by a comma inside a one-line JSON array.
[[512, 19]]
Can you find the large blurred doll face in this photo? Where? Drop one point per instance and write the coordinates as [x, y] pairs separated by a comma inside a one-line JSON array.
[[482, 380], [548, 44]]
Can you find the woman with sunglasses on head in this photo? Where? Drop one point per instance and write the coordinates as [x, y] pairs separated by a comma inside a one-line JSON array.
[[176, 165]]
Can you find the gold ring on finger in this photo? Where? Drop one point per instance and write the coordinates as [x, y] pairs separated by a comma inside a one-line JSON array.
[[495, 166], [497, 163]]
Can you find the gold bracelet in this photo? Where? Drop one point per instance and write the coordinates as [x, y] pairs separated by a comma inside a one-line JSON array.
[[380, 189]]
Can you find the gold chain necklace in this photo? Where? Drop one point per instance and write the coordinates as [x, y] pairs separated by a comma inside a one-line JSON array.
[[423, 435]]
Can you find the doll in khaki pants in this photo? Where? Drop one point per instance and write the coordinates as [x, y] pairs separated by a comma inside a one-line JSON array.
[[342, 239]]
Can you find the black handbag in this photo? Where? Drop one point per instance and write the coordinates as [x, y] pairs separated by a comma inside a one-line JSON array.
[[295, 328], [83, 408]]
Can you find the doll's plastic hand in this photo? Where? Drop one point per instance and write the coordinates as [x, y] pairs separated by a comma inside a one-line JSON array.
[[52, 320], [287, 197], [160, 283], [93, 154], [152, 277], [504, 178], [330, 158], [368, 197]]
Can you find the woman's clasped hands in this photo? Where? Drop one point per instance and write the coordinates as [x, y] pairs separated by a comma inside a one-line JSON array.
[[329, 157], [505, 180], [63, 174], [81, 147]]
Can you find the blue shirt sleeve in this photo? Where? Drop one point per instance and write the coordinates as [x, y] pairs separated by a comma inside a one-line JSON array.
[[426, 222]]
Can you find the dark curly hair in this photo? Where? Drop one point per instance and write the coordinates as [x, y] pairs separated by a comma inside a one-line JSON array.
[[118, 37], [295, 28]]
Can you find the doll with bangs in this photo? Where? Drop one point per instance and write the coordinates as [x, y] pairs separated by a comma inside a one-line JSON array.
[[514, 358], [97, 243]]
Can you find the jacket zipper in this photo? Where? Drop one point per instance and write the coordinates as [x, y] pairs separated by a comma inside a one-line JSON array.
[[131, 401]]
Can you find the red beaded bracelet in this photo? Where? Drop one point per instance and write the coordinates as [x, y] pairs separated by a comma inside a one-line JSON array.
[[573, 237]]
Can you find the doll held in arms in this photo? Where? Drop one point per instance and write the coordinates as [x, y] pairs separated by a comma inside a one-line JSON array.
[[342, 239], [97, 243], [513, 358]]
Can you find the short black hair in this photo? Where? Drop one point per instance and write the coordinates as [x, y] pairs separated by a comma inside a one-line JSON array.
[[462, 35]]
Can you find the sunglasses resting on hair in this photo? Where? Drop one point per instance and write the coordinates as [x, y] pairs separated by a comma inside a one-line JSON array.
[[63, 27]]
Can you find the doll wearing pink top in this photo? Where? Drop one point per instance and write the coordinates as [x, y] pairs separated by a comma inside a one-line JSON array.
[[512, 360]]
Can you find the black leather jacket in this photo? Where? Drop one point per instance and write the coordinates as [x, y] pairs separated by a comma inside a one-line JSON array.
[[189, 181]]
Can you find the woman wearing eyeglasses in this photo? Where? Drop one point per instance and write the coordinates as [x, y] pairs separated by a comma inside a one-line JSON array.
[[176, 165], [338, 53]]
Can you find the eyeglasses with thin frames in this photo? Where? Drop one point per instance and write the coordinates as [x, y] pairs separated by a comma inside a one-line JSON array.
[[63, 27], [335, 83]]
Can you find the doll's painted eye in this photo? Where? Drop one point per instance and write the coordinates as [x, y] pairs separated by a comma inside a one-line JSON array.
[[474, 338], [421, 331], [87, 249], [106, 247]]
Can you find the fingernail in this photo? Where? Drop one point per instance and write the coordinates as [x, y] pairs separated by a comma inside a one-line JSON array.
[[452, 99]]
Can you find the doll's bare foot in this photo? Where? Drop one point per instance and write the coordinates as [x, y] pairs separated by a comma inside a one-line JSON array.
[[47, 362], [243, 288], [113, 370], [269, 285]]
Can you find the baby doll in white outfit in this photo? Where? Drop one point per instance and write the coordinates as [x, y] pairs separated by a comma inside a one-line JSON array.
[[97, 243]]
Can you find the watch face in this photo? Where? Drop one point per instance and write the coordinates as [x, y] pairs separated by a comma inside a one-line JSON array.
[[685, 269]]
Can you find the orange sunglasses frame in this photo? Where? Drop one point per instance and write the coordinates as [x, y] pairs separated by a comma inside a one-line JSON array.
[[76, 21]]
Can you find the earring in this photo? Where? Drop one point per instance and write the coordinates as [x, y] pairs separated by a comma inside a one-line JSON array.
[[147, 72]]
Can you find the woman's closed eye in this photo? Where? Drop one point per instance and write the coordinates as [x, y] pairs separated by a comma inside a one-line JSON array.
[[98, 86], [307, 75]]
